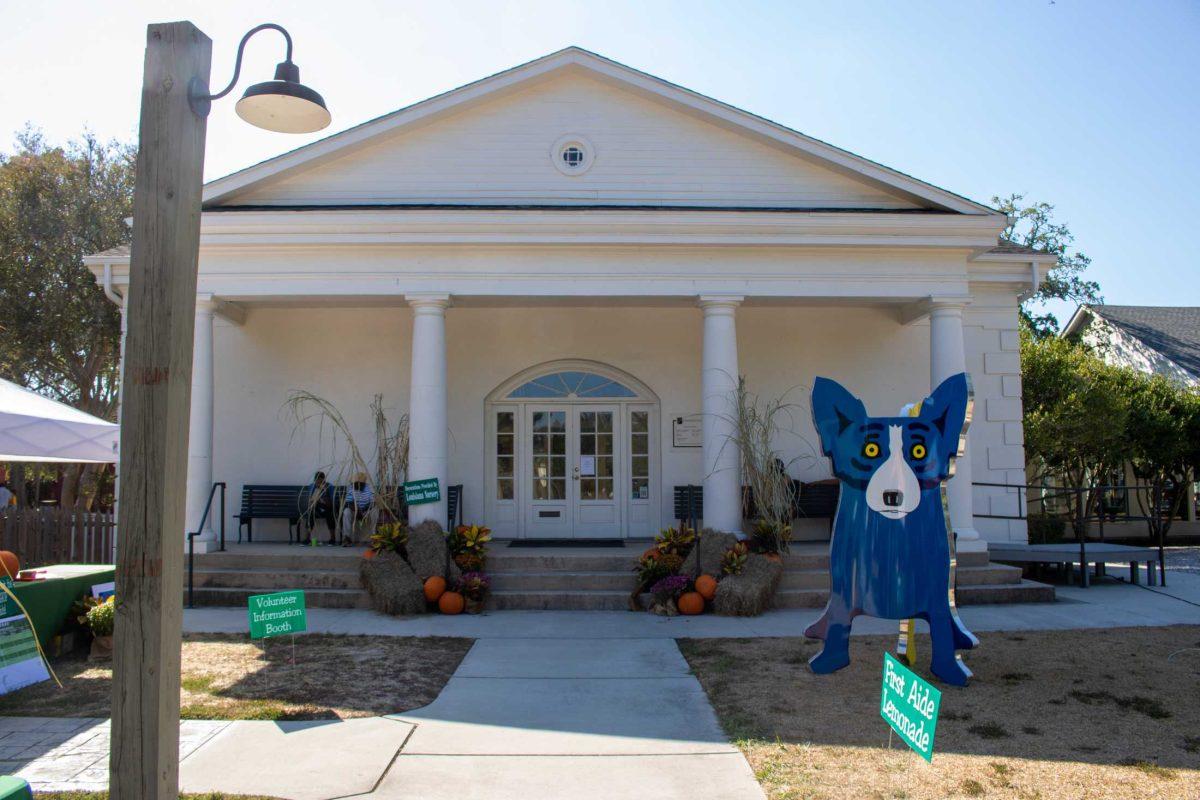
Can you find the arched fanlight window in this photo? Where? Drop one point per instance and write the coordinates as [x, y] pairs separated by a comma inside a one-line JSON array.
[[559, 385]]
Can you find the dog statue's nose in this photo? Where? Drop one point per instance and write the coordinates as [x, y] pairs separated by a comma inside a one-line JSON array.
[[893, 498]]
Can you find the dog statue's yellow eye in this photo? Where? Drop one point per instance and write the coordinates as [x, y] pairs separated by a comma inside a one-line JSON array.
[[918, 451], [871, 450]]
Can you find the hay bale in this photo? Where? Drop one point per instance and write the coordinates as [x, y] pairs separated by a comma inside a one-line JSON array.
[[709, 550], [749, 593], [393, 586], [427, 550]]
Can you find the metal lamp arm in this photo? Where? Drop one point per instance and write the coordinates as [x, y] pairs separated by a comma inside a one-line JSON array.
[[198, 96]]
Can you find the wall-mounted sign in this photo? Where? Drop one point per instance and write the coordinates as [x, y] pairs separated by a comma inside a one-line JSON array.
[[276, 614], [425, 490], [587, 466], [910, 705], [687, 431]]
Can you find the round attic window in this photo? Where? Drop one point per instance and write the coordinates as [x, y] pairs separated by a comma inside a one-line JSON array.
[[572, 155]]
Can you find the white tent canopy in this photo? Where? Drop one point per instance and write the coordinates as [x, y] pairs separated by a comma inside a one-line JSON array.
[[36, 428]]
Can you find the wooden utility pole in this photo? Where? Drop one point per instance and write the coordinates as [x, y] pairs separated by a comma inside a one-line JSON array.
[[157, 380]]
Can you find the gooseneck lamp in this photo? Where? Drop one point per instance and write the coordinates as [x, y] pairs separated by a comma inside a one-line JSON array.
[[283, 105]]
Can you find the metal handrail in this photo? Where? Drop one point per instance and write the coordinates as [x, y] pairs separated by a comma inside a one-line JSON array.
[[1068, 491], [191, 537]]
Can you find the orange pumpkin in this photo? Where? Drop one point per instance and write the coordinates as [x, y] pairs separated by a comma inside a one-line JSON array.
[[706, 586], [451, 603], [435, 587], [10, 565], [690, 603], [651, 553], [369, 554], [776, 557]]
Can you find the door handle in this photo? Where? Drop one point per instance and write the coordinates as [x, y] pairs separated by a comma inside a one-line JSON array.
[[575, 472]]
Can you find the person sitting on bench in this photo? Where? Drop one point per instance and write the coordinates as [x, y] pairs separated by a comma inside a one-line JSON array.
[[320, 506], [359, 500]]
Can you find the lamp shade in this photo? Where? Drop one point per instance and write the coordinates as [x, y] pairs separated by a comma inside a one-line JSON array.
[[284, 105]]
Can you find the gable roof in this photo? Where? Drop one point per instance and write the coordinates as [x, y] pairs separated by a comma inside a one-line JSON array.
[[576, 58], [1173, 331]]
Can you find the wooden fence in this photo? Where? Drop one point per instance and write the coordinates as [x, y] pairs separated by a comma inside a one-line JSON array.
[[41, 536]]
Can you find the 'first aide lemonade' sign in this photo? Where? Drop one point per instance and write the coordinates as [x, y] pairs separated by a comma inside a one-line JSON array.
[[910, 705], [277, 614]]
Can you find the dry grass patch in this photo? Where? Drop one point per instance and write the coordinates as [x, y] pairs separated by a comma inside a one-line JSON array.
[[226, 676], [1054, 715]]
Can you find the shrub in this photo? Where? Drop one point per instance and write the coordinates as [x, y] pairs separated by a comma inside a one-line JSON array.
[[670, 587], [474, 586], [1046, 529], [676, 541], [734, 560], [390, 537]]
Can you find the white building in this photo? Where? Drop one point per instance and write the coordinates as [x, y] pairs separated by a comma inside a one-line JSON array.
[[551, 267]]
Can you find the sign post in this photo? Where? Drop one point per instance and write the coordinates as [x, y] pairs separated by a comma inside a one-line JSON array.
[[426, 490], [276, 614], [910, 706]]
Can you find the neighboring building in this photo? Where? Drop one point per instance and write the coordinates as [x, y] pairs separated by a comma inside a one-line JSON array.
[[556, 269], [1156, 339]]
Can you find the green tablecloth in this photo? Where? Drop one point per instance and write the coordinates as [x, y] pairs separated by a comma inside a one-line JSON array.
[[49, 601]]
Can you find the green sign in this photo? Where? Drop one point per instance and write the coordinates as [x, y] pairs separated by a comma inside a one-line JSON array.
[[277, 614], [422, 491], [910, 705], [7, 606]]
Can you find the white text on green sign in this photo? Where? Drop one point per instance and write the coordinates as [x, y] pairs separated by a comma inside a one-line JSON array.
[[277, 614], [422, 491], [910, 705]]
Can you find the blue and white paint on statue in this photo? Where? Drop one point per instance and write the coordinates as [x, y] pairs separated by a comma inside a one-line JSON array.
[[892, 552]]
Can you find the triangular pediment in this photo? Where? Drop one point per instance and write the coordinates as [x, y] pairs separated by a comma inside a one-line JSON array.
[[646, 142]]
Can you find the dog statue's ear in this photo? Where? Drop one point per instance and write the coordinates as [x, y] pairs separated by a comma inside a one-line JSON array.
[[834, 409], [948, 409]]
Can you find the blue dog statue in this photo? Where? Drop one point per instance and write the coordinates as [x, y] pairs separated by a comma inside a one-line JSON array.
[[892, 552]]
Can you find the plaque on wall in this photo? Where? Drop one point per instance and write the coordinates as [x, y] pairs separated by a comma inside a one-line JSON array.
[[687, 431]]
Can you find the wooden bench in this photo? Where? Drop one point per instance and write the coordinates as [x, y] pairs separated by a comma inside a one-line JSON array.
[[260, 501]]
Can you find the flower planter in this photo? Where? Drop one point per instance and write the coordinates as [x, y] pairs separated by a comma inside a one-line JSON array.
[[474, 606], [102, 648]]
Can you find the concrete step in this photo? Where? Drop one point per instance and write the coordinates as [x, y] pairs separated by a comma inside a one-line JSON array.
[[313, 598], [804, 579], [989, 575], [584, 600], [563, 581], [1023, 592], [507, 560], [801, 598], [278, 580], [287, 558]]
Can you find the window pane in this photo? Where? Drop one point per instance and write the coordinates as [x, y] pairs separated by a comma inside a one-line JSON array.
[[558, 421], [641, 489], [558, 445], [604, 466], [639, 421], [587, 445], [604, 420], [504, 445], [587, 421], [541, 489], [504, 466], [504, 489], [640, 444], [605, 489], [558, 467], [540, 444], [641, 466], [504, 422], [587, 489], [558, 489], [539, 420], [604, 445]]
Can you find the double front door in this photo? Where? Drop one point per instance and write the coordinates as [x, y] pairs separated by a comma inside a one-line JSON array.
[[575, 470]]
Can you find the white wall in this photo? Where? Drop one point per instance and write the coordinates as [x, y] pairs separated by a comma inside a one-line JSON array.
[[500, 152], [348, 354]]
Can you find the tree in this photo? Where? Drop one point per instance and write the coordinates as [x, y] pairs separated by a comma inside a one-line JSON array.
[[1163, 446], [1033, 225], [61, 335], [1076, 416]]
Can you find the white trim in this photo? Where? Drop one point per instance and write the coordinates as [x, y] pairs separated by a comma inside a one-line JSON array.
[[576, 58]]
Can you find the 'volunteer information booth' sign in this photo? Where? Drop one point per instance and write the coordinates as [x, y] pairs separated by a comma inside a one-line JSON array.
[[910, 705], [277, 614]]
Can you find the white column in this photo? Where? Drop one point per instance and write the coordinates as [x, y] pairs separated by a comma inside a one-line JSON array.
[[719, 377], [427, 429], [200, 436], [947, 356]]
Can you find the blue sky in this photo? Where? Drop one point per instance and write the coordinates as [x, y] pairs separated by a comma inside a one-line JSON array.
[[1090, 105]]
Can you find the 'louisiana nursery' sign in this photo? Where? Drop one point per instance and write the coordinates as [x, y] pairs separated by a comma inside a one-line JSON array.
[[277, 614], [422, 491], [910, 705]]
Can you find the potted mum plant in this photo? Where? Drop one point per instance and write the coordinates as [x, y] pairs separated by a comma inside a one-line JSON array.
[[99, 620], [666, 592], [473, 586]]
